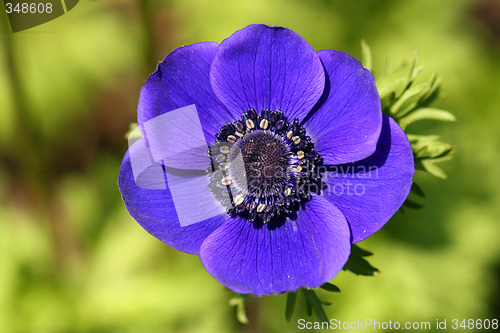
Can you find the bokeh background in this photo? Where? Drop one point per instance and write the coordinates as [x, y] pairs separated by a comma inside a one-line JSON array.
[[73, 260]]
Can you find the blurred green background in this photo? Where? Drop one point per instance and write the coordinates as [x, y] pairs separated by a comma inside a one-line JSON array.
[[73, 260]]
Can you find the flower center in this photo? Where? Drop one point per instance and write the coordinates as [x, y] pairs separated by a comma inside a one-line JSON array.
[[258, 164], [263, 166]]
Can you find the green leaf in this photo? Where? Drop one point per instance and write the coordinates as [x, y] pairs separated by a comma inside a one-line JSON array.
[[356, 250], [309, 308], [330, 287], [390, 86], [414, 71], [429, 146], [412, 204], [366, 55], [357, 264], [408, 103], [428, 114], [291, 298], [133, 134], [444, 156], [408, 100], [417, 190], [238, 301], [314, 302], [432, 93], [433, 169]]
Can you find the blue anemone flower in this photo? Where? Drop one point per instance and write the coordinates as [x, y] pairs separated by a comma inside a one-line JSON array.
[[301, 162]]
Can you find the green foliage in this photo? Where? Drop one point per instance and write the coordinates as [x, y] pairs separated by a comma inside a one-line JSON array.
[[291, 299], [238, 301], [330, 287], [314, 303], [408, 102], [357, 263], [366, 55], [415, 188]]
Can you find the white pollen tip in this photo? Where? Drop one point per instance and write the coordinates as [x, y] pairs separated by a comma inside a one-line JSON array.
[[231, 138], [239, 134], [261, 207], [298, 169], [264, 124], [250, 123], [224, 149], [238, 200], [300, 154], [289, 134], [296, 140], [226, 181], [287, 192]]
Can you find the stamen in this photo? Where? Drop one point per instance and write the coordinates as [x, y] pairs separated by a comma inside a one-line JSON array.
[[238, 200], [227, 129], [220, 158], [261, 207], [250, 124], [280, 125], [265, 166], [275, 116], [264, 124], [251, 113], [226, 181], [239, 126]]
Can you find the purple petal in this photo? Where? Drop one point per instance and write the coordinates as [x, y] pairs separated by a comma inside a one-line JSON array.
[[267, 67], [345, 125], [181, 80], [181, 216], [176, 139], [305, 251], [370, 191], [147, 173]]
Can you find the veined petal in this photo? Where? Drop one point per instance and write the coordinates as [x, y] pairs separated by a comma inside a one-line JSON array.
[[180, 81], [346, 122], [267, 67], [370, 191], [305, 251], [174, 207]]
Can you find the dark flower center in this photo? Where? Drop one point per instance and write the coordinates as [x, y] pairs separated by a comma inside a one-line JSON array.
[[263, 166]]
